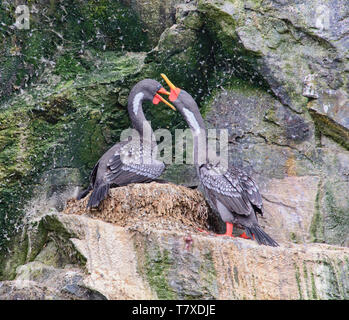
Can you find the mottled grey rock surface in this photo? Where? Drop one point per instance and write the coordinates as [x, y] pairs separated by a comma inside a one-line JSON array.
[[135, 263]]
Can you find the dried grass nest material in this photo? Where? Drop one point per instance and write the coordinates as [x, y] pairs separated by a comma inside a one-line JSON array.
[[146, 206]]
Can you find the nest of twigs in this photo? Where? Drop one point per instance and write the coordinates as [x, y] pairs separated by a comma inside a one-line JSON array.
[[149, 205]]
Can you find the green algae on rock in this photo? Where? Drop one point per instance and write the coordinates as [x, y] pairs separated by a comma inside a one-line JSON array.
[[57, 125], [102, 25]]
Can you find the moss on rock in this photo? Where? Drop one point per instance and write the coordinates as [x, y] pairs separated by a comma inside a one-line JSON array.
[[102, 25], [59, 125], [158, 265]]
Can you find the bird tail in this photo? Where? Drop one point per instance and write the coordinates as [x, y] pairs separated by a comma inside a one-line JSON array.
[[84, 193], [260, 235], [99, 193]]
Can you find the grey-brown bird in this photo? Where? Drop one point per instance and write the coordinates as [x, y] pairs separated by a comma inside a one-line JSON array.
[[230, 192], [129, 161]]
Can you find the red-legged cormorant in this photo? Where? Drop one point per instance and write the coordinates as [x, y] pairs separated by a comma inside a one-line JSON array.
[[129, 161], [229, 191]]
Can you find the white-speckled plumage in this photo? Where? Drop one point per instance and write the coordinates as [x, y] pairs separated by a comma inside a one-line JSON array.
[[126, 162]]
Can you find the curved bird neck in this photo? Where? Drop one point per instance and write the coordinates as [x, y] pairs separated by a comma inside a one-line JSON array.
[[195, 122], [199, 132], [136, 114]]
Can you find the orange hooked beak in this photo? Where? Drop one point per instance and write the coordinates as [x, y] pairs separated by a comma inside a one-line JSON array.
[[158, 98], [174, 90]]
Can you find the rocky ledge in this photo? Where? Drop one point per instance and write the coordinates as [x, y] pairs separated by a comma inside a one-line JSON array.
[[144, 243]]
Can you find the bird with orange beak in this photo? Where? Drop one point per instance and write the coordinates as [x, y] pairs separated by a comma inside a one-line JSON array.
[[111, 170], [231, 193]]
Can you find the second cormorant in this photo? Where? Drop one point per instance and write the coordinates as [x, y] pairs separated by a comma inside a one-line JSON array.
[[229, 191]]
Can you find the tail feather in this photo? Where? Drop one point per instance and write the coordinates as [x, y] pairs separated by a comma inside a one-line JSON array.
[[260, 235], [84, 193], [99, 194]]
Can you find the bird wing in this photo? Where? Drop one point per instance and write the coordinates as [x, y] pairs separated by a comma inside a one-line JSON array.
[[248, 186], [120, 173], [232, 189]]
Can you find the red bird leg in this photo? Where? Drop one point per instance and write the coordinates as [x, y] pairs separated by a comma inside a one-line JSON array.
[[244, 235], [202, 230], [228, 231]]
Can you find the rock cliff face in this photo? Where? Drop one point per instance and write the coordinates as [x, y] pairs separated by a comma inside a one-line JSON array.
[[274, 73], [161, 254]]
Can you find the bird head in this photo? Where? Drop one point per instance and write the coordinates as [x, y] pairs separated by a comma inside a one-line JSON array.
[[151, 90], [185, 104]]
